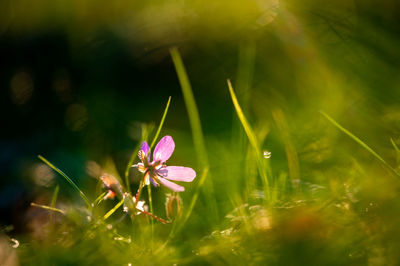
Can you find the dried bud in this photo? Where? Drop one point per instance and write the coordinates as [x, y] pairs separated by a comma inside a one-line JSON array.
[[173, 206], [112, 185]]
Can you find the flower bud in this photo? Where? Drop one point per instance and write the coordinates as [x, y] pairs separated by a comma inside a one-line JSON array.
[[173, 206]]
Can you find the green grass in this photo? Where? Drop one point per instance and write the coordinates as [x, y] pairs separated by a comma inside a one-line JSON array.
[[328, 194]]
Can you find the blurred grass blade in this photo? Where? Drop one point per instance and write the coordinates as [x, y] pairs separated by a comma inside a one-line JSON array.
[[359, 141], [110, 212], [69, 180], [47, 208], [99, 199], [397, 151], [53, 201], [197, 132], [252, 139], [395, 146], [290, 149], [54, 197], [161, 123], [191, 107]]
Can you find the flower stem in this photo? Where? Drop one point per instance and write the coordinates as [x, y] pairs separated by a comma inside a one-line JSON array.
[[137, 197], [151, 211]]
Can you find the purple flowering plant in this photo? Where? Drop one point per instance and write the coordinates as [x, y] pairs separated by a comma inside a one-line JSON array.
[[157, 172], [154, 169]]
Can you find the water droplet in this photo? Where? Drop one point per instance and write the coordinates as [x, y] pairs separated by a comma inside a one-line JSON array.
[[267, 154]]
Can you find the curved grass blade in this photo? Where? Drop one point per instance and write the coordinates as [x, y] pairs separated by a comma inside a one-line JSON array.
[[359, 141], [69, 180], [252, 139]]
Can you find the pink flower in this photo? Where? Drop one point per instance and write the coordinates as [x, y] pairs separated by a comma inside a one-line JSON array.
[[157, 172]]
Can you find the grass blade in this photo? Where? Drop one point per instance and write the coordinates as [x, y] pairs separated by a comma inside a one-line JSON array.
[[397, 151], [69, 180], [197, 132], [99, 199], [110, 212], [252, 139], [54, 197], [359, 141], [54, 200], [48, 208], [161, 123], [191, 107], [290, 149]]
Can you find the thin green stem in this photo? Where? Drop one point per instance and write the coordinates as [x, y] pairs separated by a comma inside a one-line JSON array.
[[151, 211], [151, 146], [139, 190], [161, 123]]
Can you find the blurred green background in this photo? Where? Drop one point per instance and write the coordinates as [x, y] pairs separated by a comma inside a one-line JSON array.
[[85, 80]]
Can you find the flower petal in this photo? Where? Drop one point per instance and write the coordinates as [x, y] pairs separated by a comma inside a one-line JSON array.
[[145, 148], [164, 149], [170, 185], [177, 173]]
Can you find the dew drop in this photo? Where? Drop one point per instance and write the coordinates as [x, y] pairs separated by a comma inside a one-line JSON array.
[[267, 154]]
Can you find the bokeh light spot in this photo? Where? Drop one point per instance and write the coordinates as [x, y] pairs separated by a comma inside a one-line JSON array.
[[21, 86]]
